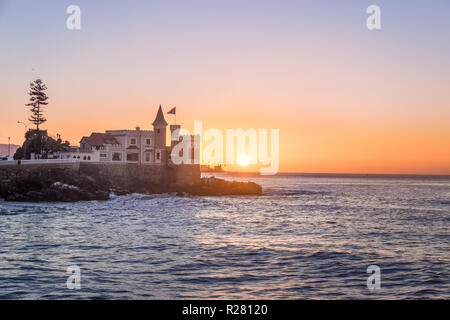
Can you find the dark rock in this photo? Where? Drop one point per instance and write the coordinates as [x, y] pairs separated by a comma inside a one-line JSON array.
[[101, 195], [218, 187], [119, 192], [61, 186], [70, 186]]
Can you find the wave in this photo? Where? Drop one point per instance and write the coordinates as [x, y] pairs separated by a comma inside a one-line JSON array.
[[293, 192], [4, 212]]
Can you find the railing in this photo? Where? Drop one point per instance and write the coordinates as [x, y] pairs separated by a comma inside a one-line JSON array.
[[38, 162]]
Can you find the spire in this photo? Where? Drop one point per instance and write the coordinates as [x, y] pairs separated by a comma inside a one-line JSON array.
[[159, 120]]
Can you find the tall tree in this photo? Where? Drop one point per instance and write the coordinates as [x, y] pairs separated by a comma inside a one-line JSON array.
[[38, 99]]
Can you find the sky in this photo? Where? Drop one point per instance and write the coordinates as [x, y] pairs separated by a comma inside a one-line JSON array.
[[344, 98]]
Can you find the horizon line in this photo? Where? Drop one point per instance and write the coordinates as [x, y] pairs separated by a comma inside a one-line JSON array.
[[338, 173]]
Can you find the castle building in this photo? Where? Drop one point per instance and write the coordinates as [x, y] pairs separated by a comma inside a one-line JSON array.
[[144, 147]]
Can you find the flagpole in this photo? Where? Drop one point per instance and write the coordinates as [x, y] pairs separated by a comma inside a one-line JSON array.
[[173, 111]]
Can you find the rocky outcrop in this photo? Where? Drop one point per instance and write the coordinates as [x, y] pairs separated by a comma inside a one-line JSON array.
[[39, 142], [219, 187], [64, 185]]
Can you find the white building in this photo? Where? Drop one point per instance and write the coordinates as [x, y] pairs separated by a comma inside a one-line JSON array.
[[125, 146]]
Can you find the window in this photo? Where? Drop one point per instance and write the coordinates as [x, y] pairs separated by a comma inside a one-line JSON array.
[[133, 157], [84, 158], [89, 157], [117, 156], [159, 130], [147, 157], [103, 155], [148, 142], [158, 156], [133, 141]]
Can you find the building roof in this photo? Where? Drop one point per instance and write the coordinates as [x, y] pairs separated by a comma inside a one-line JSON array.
[[100, 139], [159, 120]]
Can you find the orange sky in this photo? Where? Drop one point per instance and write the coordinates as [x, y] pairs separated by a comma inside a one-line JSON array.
[[345, 99]]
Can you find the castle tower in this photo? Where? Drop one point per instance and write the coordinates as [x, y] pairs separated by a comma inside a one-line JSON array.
[[173, 127], [159, 127]]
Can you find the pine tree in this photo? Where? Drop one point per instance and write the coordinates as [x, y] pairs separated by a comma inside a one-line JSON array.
[[38, 99]]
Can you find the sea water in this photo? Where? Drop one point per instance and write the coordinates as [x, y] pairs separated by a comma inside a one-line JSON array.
[[307, 237]]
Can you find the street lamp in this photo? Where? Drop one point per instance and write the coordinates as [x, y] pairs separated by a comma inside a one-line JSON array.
[[24, 124]]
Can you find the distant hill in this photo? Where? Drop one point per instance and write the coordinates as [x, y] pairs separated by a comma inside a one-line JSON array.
[[4, 149]]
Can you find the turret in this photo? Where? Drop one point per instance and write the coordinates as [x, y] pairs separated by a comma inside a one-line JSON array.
[[159, 127], [173, 127]]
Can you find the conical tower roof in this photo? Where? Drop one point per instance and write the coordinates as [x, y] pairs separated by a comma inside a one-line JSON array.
[[159, 120]]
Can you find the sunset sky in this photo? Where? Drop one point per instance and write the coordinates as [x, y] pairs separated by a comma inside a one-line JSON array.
[[345, 99]]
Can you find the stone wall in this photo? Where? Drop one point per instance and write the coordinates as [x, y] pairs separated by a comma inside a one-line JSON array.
[[186, 174], [121, 176], [127, 175], [95, 181], [14, 170]]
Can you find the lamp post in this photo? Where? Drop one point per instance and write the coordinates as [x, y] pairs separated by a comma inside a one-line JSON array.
[[24, 124], [9, 147]]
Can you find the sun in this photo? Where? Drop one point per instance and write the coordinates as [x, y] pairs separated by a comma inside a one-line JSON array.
[[243, 160]]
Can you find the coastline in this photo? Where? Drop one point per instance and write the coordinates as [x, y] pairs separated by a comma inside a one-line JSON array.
[[67, 186]]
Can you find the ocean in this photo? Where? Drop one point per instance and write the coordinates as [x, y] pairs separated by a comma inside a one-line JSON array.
[[307, 237]]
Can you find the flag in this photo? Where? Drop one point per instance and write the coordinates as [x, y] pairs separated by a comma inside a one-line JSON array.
[[172, 111]]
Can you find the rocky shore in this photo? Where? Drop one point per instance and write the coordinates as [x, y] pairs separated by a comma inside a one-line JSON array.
[[70, 187]]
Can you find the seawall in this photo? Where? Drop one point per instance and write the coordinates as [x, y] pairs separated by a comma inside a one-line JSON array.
[[120, 176], [22, 170], [81, 181], [128, 176]]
